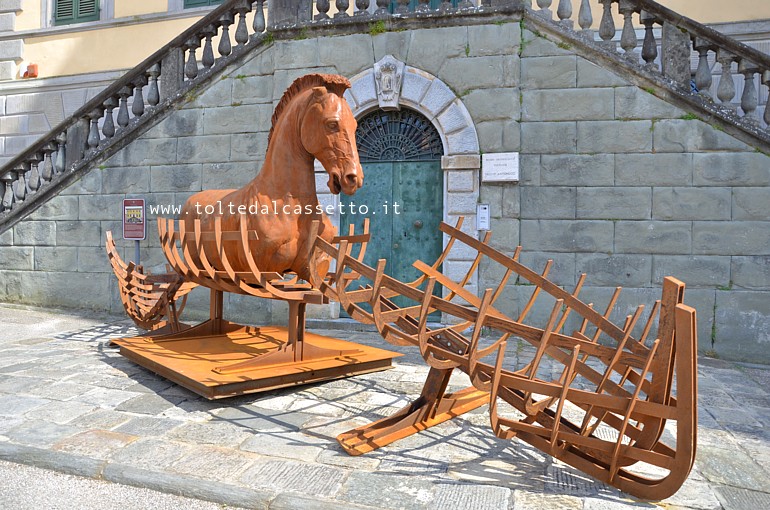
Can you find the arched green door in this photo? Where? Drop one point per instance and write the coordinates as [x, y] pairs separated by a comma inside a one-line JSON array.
[[402, 194]]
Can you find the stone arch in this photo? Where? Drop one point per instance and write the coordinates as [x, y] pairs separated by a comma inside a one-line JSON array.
[[428, 95], [461, 163]]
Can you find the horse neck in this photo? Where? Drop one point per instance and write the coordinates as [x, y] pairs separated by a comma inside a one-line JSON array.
[[288, 167]]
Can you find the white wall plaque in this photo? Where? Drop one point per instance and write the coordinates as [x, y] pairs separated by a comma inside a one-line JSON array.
[[500, 167]]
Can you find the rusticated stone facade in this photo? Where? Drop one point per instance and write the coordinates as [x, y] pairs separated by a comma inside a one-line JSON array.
[[615, 182]]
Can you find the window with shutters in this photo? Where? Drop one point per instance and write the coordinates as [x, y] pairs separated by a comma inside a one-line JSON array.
[[75, 11], [200, 3]]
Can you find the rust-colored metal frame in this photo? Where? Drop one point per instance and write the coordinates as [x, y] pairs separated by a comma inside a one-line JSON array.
[[218, 358], [630, 397], [149, 300]]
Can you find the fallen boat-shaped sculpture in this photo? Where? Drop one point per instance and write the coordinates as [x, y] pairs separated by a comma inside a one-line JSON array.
[[605, 412]]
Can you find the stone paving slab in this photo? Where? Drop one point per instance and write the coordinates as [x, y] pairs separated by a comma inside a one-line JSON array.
[[70, 402]]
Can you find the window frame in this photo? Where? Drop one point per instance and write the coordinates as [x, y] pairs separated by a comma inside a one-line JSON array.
[[75, 20], [198, 4]]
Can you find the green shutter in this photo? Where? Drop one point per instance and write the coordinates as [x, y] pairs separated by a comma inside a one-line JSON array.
[[75, 11], [88, 10], [200, 3], [64, 11]]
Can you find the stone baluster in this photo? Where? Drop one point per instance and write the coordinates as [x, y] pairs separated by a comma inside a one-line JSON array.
[[726, 87], [466, 4], [6, 204], [628, 35], [93, 132], [403, 7], [124, 94], [382, 9], [446, 6], [191, 67], [649, 45], [153, 92], [108, 128], [766, 81], [749, 99], [607, 25], [422, 6], [362, 8], [242, 31], [545, 10], [259, 18], [48, 172], [20, 188], [586, 19], [33, 177], [342, 8], [703, 77], [137, 108], [61, 143], [225, 47], [564, 13], [323, 7], [208, 47]]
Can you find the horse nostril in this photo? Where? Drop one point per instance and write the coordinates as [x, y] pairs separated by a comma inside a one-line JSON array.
[[351, 179]]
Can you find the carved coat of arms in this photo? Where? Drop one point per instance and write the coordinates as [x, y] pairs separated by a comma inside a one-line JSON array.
[[388, 76]]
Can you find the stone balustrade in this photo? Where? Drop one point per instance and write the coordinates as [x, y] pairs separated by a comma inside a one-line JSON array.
[[107, 122], [617, 32]]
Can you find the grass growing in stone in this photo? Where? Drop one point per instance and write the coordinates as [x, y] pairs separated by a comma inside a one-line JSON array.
[[376, 28], [689, 116]]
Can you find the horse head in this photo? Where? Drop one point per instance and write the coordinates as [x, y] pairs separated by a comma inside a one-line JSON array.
[[328, 132]]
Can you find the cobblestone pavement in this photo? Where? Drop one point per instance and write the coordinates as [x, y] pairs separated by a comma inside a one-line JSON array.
[[71, 403]]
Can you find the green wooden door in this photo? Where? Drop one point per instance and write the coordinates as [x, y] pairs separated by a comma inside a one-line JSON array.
[[405, 207]]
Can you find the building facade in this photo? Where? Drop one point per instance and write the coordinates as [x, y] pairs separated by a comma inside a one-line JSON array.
[[617, 179]]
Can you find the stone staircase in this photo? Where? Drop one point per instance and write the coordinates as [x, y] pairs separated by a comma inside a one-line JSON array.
[[129, 107]]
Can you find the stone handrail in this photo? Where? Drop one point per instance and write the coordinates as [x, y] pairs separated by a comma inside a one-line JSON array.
[[125, 109], [671, 58]]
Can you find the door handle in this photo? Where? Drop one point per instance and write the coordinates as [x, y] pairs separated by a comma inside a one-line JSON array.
[[418, 224]]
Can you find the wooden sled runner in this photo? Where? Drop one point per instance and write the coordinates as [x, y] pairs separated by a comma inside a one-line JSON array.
[[606, 411], [149, 300], [218, 358]]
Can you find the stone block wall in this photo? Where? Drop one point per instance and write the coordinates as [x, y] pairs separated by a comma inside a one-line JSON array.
[[621, 185], [615, 182]]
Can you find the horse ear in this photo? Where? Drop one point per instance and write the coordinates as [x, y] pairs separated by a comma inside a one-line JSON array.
[[319, 93]]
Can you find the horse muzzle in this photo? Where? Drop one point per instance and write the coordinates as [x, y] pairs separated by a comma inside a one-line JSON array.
[[347, 181]]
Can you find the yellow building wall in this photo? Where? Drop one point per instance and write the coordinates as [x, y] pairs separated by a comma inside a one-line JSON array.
[[124, 8], [720, 11], [100, 50], [29, 18], [702, 11]]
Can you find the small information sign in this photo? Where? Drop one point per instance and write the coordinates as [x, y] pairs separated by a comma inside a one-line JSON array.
[[500, 167], [134, 219]]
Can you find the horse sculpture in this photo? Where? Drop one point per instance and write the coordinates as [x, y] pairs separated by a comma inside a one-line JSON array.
[[258, 241], [311, 121]]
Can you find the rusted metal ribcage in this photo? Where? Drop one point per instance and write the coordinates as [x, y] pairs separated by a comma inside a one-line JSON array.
[[604, 412]]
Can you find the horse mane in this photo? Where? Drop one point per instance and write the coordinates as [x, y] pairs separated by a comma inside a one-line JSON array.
[[333, 82]]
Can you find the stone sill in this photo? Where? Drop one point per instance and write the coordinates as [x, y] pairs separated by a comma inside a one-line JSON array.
[[103, 24], [76, 81]]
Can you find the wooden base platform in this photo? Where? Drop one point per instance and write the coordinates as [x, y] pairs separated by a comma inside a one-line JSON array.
[[245, 359]]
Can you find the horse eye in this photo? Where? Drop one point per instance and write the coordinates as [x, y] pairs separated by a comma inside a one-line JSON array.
[[333, 125]]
